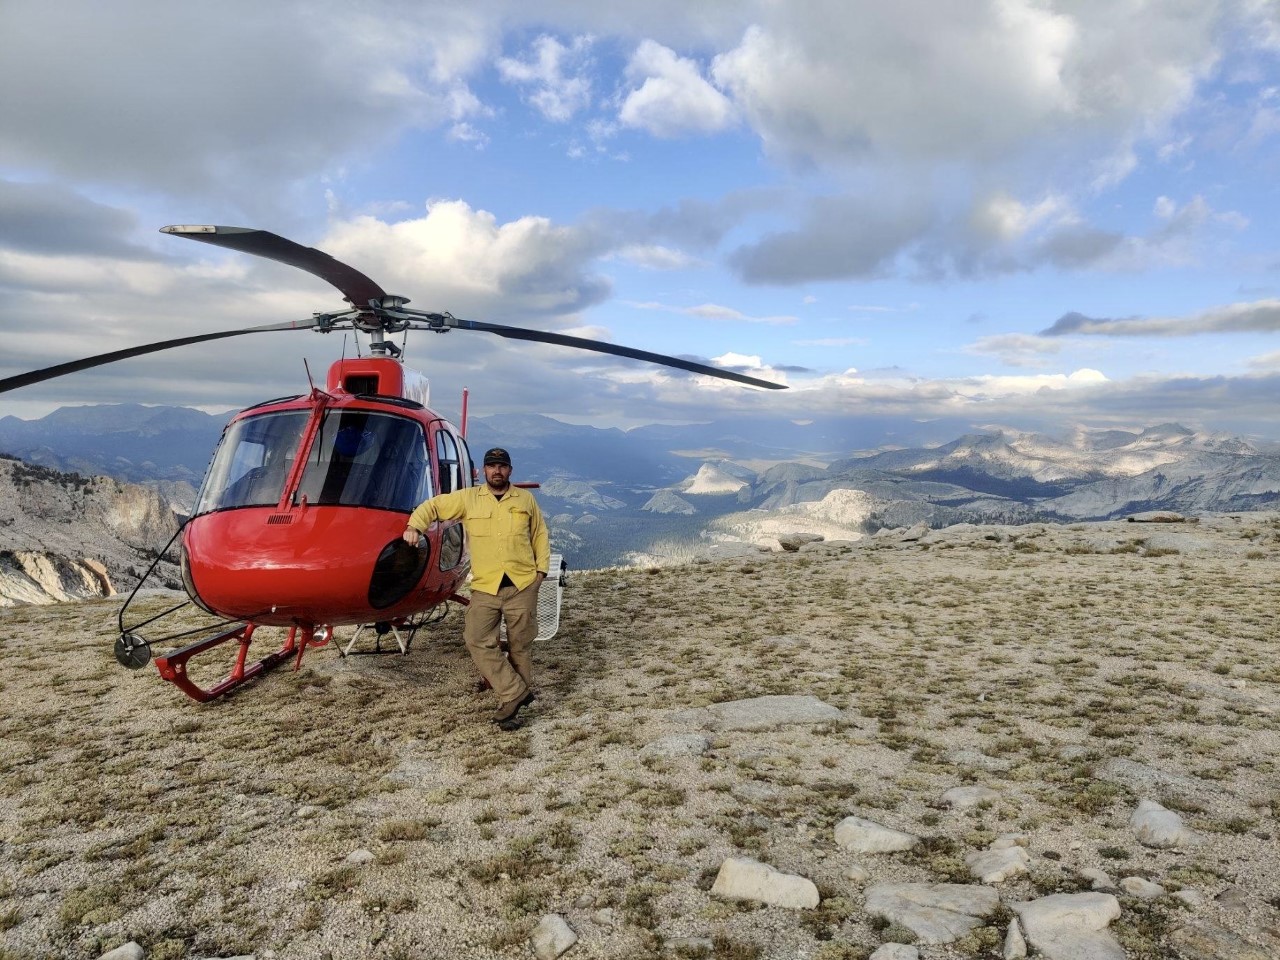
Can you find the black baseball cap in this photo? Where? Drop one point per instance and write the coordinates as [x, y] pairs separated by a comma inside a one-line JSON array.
[[497, 455]]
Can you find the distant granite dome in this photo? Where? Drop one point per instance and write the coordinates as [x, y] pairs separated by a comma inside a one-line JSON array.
[[668, 501], [711, 478]]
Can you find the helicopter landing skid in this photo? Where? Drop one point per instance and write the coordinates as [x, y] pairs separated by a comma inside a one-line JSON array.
[[173, 666]]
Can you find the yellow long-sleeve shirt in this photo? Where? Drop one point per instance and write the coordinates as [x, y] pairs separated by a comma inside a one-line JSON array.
[[506, 536]]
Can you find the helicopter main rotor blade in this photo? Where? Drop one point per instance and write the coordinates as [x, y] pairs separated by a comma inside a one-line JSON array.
[[74, 366], [598, 346], [355, 286]]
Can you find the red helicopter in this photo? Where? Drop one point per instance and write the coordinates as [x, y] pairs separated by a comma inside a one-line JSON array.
[[297, 523]]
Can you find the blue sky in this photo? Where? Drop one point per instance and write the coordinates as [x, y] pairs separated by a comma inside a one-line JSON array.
[[1027, 214]]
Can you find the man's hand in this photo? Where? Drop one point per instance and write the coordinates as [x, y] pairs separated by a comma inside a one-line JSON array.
[[411, 536]]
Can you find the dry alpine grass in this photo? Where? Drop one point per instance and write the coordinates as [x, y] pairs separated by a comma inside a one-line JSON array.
[[1074, 670]]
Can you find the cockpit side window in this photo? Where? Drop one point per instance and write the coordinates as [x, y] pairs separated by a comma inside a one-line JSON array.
[[448, 460]]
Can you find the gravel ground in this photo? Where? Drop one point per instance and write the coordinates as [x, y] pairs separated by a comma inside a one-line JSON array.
[[1075, 670]]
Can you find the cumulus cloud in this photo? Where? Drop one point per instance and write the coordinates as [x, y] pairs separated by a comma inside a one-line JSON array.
[[554, 75], [671, 97], [983, 79], [463, 260], [1259, 316]]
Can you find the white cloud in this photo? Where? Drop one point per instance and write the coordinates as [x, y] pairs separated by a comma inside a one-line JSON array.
[[1258, 316], [672, 97], [1016, 349], [1006, 219], [463, 260], [555, 74], [656, 257], [714, 311]]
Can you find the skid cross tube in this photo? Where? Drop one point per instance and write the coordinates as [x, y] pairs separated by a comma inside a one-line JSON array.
[[173, 666]]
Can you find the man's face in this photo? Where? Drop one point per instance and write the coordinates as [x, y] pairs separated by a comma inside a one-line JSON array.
[[498, 476]]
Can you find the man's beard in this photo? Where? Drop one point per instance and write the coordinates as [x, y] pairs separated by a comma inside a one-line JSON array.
[[499, 485]]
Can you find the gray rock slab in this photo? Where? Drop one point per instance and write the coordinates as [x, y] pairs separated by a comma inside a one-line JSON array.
[[934, 912], [764, 713], [867, 836], [1208, 941], [975, 758], [895, 951], [1142, 778], [679, 745], [995, 866], [1071, 926], [742, 878]]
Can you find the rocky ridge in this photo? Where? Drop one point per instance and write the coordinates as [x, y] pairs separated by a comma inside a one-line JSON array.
[[67, 537]]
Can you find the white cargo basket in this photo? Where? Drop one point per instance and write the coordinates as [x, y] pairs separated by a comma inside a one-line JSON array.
[[550, 595]]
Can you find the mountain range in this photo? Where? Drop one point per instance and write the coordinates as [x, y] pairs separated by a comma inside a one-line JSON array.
[[615, 497]]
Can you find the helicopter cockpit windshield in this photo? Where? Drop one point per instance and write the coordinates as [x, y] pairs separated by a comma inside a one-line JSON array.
[[364, 459], [358, 459], [253, 462]]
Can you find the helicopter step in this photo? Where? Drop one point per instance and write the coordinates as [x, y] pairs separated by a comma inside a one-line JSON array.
[[173, 666]]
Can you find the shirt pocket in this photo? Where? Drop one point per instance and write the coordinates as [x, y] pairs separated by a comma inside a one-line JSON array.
[[480, 520]]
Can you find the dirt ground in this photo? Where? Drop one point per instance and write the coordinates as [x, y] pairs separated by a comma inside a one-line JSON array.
[[1075, 670]]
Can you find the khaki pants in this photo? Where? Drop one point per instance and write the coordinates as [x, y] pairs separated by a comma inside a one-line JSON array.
[[512, 678]]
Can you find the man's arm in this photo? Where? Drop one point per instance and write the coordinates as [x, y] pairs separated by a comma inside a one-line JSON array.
[[446, 506], [541, 542]]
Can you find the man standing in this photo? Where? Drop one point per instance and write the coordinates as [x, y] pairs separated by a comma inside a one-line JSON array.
[[510, 554]]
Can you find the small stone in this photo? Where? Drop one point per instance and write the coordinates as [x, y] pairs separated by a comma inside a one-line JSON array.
[[1098, 879], [867, 836], [857, 873], [1141, 888], [129, 951], [1157, 827], [994, 866], [552, 937], [1007, 841], [689, 946], [964, 798], [1233, 898], [605, 917], [306, 811], [585, 901], [360, 857], [1193, 899], [1015, 944]]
